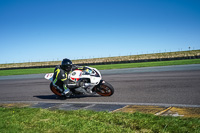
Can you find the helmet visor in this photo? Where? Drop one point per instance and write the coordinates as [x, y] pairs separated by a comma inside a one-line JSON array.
[[67, 67]]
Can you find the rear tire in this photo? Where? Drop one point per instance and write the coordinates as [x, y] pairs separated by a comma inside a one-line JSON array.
[[55, 90], [105, 89]]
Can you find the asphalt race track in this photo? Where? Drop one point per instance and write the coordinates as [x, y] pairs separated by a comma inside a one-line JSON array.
[[169, 85]]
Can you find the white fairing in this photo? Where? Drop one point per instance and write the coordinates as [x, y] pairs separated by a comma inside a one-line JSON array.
[[49, 76], [91, 73], [75, 75]]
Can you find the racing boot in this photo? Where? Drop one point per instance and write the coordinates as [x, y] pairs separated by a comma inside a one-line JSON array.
[[66, 93]]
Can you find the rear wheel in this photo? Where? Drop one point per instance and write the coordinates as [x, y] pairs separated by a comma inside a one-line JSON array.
[[55, 90], [104, 89]]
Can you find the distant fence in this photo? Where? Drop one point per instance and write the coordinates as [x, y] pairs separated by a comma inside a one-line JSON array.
[[105, 63]]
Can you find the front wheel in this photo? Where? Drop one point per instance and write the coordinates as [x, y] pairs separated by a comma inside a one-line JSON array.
[[104, 89]]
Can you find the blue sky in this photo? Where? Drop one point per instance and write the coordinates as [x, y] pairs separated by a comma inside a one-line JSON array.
[[47, 30]]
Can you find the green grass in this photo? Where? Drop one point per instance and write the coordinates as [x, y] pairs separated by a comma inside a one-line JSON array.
[[34, 120], [103, 67], [148, 64], [25, 71]]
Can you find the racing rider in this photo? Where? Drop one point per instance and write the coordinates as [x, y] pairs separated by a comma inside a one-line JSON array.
[[60, 77]]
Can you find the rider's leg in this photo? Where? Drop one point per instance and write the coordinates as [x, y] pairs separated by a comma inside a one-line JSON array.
[[66, 90], [58, 87]]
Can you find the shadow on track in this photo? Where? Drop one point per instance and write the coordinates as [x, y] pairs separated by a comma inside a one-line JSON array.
[[46, 97], [54, 97]]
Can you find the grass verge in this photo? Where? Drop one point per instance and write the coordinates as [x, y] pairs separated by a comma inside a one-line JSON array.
[[103, 67], [42, 120], [148, 64]]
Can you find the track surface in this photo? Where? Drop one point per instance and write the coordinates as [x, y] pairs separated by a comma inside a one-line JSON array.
[[153, 85]]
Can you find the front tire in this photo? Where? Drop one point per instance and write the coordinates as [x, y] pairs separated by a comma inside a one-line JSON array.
[[105, 89]]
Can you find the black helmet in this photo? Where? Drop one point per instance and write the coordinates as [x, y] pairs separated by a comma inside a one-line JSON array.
[[66, 65]]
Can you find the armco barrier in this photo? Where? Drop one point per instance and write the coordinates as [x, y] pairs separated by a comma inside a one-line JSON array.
[[112, 62]]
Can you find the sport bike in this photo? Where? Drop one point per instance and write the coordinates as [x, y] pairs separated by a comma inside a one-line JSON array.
[[92, 80]]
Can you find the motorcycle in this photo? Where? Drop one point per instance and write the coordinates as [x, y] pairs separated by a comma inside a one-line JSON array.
[[92, 79]]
